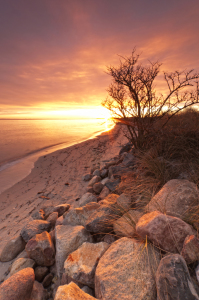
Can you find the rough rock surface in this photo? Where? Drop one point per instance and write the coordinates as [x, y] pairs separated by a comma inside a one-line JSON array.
[[81, 264], [68, 239], [98, 187], [164, 231], [176, 198], [52, 218], [124, 201], [41, 249], [12, 248], [127, 271], [40, 273], [79, 216], [38, 215], [102, 219], [126, 225], [34, 227], [61, 209], [71, 292], [86, 177], [38, 292], [104, 193], [18, 286], [87, 198], [94, 180], [112, 184], [20, 264], [47, 280], [190, 250], [173, 279]]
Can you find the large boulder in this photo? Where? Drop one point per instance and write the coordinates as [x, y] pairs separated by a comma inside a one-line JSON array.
[[38, 292], [80, 265], [34, 227], [101, 220], [164, 231], [71, 292], [68, 239], [178, 198], [190, 250], [79, 216], [41, 249], [12, 248], [127, 271], [18, 286], [20, 264], [173, 280], [87, 198]]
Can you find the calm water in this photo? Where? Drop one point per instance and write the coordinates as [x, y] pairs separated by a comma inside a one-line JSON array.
[[22, 142]]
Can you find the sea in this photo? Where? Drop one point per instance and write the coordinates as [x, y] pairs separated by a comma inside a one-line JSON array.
[[22, 142]]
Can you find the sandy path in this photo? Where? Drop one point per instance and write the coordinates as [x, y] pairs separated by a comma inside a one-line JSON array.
[[48, 180]]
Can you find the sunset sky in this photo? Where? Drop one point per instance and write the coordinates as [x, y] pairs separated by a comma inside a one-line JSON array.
[[54, 53]]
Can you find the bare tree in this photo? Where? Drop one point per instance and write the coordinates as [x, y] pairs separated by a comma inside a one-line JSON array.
[[134, 101]]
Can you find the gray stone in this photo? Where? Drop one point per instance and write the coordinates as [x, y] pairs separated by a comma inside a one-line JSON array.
[[41, 249], [47, 280], [38, 292], [59, 221], [86, 198], [164, 231], [71, 292], [86, 177], [38, 215], [178, 197], [105, 180], [97, 187], [104, 173], [81, 264], [20, 264], [33, 228], [127, 271], [52, 218], [112, 184], [101, 220], [129, 160], [173, 280], [68, 239], [40, 273], [18, 286], [190, 250], [61, 208], [86, 289], [104, 193], [94, 180], [12, 248], [117, 171], [126, 225], [97, 172]]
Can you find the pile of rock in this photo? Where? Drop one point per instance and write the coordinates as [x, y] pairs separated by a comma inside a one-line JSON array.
[[101, 248]]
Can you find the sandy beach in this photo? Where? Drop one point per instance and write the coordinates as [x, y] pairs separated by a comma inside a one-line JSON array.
[[56, 178]]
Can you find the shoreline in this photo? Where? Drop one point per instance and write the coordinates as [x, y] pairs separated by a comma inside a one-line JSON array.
[[16, 170], [56, 178]]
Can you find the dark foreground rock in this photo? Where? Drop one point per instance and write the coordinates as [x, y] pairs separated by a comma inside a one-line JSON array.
[[33, 228], [18, 286], [173, 280], [127, 271]]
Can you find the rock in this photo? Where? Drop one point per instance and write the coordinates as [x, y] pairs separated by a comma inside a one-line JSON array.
[[20, 264], [88, 290], [97, 172], [61, 209], [190, 250], [124, 201], [33, 228], [19, 286], [105, 180], [86, 198], [38, 292], [48, 209], [38, 215], [125, 148], [71, 292], [112, 184], [127, 271], [52, 218], [52, 235], [104, 173], [97, 187], [47, 280], [40, 273], [104, 193], [164, 231], [81, 264], [129, 160], [79, 216], [178, 198], [173, 280], [59, 221], [197, 272], [12, 248], [101, 220], [89, 189], [68, 239], [41, 249], [94, 180], [125, 226], [117, 171], [109, 239], [87, 177]]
